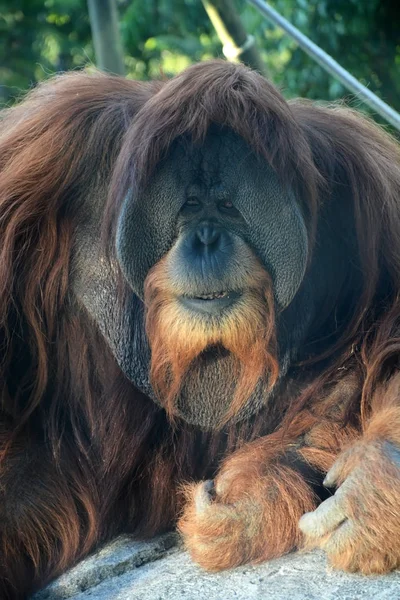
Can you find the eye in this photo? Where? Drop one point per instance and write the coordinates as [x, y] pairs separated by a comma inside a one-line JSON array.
[[192, 202], [191, 205], [226, 206]]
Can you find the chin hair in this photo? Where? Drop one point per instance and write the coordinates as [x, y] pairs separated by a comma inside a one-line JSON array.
[[177, 336]]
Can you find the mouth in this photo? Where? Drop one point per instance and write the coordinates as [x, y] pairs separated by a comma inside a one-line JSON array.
[[211, 303]]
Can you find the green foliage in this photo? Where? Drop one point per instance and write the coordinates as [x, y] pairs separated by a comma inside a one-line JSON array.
[[165, 36], [363, 36], [40, 37]]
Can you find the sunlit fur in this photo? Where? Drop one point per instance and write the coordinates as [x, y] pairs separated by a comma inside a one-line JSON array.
[[177, 336], [84, 455]]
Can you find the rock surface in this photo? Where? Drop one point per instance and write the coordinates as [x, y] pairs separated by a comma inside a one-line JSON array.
[[161, 570]]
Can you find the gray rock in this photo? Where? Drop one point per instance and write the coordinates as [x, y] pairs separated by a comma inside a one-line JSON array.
[[161, 570]]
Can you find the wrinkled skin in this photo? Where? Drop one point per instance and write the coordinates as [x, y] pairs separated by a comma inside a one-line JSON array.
[[236, 340], [220, 516], [268, 215]]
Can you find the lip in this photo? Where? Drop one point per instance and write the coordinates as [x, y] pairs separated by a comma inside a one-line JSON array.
[[212, 306]]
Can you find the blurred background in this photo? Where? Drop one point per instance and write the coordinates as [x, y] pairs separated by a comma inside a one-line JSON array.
[[161, 37]]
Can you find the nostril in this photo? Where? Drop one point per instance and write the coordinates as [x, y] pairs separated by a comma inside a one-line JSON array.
[[207, 234]]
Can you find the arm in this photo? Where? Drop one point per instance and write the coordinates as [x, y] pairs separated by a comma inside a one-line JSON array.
[[251, 511]]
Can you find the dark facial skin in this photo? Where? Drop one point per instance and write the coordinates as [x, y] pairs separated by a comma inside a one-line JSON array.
[[211, 205], [199, 193]]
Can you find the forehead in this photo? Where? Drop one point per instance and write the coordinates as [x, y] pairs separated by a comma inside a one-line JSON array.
[[222, 156]]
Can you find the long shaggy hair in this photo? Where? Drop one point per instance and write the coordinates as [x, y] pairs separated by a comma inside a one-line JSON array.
[[318, 151], [176, 339], [108, 458]]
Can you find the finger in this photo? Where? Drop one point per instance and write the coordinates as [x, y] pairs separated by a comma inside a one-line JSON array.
[[341, 539], [329, 515], [340, 469], [204, 495]]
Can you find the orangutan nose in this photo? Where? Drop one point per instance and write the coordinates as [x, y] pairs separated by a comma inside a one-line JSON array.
[[207, 252], [208, 235]]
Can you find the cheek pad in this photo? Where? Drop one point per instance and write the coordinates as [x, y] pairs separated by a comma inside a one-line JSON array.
[[146, 229], [278, 232]]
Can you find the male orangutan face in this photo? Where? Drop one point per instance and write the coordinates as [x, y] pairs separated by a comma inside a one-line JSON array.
[[204, 246]]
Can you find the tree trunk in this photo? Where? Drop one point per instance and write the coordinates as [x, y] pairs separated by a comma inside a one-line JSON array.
[[107, 44]]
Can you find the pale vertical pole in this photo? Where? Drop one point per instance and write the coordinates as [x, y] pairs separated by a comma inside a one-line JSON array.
[[106, 39]]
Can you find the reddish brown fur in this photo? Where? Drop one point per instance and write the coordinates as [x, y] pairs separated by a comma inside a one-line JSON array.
[[275, 498], [372, 503], [83, 454], [260, 494], [176, 340]]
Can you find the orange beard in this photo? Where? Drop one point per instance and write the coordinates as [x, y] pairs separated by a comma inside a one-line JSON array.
[[177, 337]]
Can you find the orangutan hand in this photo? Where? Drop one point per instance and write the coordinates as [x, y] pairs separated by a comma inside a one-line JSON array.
[[220, 534], [248, 514], [359, 526]]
